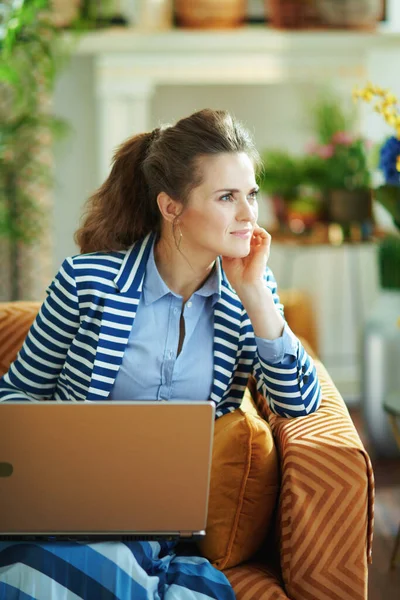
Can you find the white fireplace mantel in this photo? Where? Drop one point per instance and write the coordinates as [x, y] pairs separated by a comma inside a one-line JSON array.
[[129, 64]]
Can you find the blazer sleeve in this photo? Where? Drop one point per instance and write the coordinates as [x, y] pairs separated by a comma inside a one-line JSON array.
[[34, 374], [292, 389]]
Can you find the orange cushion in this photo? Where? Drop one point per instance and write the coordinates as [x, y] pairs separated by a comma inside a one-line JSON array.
[[15, 321], [243, 489]]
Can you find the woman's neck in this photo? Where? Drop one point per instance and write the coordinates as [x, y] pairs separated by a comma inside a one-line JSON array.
[[181, 270]]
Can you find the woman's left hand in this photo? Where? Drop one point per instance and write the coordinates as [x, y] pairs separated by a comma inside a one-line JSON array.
[[249, 270]]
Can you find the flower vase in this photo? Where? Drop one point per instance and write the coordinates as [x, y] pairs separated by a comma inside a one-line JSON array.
[[350, 206], [355, 14]]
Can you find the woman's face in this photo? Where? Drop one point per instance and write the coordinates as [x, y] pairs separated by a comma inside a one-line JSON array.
[[221, 213]]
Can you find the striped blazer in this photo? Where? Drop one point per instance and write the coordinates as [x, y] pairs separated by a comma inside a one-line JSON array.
[[76, 344]]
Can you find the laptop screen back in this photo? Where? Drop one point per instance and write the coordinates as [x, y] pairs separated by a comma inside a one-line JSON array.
[[105, 467]]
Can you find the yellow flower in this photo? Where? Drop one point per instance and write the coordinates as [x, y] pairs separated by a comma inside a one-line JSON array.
[[366, 95], [390, 117], [390, 99], [398, 163]]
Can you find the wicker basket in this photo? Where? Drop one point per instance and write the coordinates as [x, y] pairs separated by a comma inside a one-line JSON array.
[[321, 14], [293, 14], [210, 14]]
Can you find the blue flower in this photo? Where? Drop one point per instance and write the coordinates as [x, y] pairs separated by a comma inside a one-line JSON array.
[[388, 159]]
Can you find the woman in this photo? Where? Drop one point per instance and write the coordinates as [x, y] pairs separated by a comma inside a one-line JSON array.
[[171, 298]]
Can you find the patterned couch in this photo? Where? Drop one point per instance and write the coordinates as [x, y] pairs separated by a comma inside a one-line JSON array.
[[320, 544]]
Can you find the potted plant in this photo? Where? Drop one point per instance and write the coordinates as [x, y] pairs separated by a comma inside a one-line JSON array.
[[339, 164], [31, 54], [296, 202]]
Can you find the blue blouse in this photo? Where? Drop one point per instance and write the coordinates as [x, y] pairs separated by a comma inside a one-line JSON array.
[[151, 368]]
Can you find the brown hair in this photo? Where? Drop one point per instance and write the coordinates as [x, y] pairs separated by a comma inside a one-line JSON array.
[[124, 209]]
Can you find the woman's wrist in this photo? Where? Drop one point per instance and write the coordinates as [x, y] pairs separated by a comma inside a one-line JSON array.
[[259, 304]]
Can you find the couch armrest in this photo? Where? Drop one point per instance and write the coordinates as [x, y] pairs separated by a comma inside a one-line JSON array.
[[325, 513]]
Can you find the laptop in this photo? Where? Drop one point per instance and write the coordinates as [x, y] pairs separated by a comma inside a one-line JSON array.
[[92, 471]]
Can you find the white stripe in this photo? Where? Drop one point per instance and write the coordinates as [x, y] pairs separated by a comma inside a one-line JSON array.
[[16, 396], [285, 394], [85, 347], [112, 338], [93, 266], [65, 307], [218, 383], [298, 408], [226, 357], [77, 372], [124, 300], [231, 306], [65, 275], [291, 371], [35, 342], [220, 369], [115, 325], [103, 379], [34, 583], [94, 279], [220, 340], [80, 359], [223, 316], [280, 382], [231, 294], [29, 382], [246, 361], [120, 555], [79, 259], [309, 390], [248, 348], [98, 391], [51, 339], [66, 293], [309, 408], [73, 382], [136, 264], [31, 369], [61, 318], [42, 361], [220, 327], [104, 365]]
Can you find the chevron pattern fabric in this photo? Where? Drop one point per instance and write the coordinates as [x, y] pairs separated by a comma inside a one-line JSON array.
[[326, 505], [255, 581]]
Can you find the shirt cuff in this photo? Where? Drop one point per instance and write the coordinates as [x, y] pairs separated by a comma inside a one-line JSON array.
[[283, 350]]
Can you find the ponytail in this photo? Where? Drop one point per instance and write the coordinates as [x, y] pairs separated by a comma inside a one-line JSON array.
[[121, 211]]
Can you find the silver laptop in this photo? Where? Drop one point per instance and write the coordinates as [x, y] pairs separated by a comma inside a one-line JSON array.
[[105, 470]]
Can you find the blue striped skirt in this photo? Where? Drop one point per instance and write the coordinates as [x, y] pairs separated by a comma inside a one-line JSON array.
[[107, 571]]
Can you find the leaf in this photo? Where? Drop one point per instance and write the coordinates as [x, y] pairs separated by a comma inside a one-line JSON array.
[[389, 197]]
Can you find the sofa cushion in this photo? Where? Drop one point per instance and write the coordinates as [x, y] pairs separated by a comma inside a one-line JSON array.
[[15, 321], [243, 489], [256, 581]]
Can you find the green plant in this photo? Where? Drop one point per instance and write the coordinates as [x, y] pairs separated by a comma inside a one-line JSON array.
[[31, 54], [389, 262], [282, 174], [338, 157]]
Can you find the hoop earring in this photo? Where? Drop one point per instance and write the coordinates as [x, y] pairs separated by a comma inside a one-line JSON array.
[[177, 244]]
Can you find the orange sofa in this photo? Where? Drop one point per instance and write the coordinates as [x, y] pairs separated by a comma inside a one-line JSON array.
[[319, 546]]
